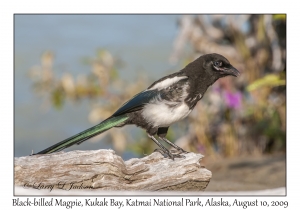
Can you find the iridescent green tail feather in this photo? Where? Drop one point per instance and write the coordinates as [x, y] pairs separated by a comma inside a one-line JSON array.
[[85, 135]]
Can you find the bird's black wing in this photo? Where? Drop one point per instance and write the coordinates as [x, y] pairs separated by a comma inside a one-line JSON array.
[[163, 89], [137, 102]]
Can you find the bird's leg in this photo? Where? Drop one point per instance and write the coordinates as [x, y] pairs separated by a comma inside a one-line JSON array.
[[164, 151], [161, 152], [162, 148], [162, 132], [166, 155], [173, 145]]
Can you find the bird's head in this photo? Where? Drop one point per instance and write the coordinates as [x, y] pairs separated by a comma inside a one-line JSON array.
[[218, 65]]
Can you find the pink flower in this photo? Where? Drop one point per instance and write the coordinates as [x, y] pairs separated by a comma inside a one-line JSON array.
[[233, 100]]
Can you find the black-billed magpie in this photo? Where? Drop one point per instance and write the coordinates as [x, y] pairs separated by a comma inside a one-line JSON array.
[[163, 103]]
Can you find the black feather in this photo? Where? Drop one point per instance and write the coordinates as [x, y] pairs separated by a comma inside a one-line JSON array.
[[137, 102]]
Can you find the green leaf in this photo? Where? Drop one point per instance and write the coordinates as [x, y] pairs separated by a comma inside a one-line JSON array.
[[279, 17], [270, 80]]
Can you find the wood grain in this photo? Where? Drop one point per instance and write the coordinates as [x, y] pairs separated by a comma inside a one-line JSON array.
[[104, 170]]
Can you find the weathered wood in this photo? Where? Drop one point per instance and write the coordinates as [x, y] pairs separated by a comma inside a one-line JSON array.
[[103, 169]]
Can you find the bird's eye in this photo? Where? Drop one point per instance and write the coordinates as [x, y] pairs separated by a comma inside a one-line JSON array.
[[218, 63]]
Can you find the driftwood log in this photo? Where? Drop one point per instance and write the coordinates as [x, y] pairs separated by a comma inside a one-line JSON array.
[[104, 170]]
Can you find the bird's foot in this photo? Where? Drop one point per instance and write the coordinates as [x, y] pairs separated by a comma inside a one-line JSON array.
[[168, 154], [179, 151]]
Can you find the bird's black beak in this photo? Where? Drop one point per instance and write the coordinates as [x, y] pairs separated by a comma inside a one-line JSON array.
[[232, 71]]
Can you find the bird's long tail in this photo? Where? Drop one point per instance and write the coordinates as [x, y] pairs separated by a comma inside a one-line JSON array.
[[85, 135]]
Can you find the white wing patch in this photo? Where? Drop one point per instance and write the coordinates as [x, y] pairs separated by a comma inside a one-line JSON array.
[[161, 113], [167, 82]]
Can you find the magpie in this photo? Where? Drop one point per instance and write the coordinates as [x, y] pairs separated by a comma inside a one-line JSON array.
[[163, 103]]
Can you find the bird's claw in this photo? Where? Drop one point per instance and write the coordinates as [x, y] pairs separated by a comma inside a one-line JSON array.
[[178, 151], [178, 156], [161, 152], [168, 154]]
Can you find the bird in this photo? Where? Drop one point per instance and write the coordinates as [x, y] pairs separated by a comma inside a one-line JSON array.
[[163, 103]]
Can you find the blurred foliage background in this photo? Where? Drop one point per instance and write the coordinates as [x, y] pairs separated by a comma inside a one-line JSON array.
[[237, 116]]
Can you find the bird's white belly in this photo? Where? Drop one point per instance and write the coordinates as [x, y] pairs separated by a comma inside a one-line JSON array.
[[160, 114]]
